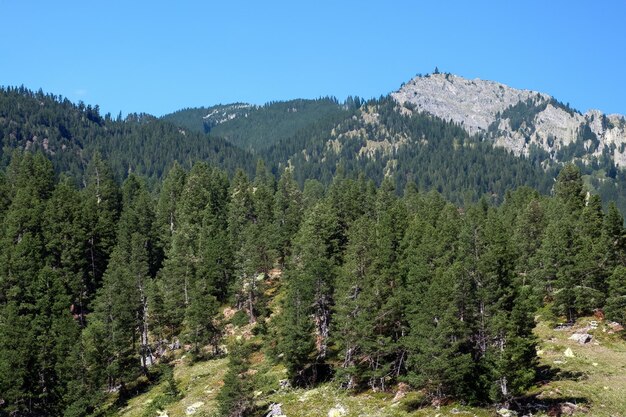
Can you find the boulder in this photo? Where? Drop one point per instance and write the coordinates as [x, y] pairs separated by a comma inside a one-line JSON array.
[[582, 338], [337, 411], [193, 408], [275, 410], [401, 393], [569, 409], [505, 412]]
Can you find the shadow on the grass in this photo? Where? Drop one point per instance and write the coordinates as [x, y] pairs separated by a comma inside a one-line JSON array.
[[554, 407]]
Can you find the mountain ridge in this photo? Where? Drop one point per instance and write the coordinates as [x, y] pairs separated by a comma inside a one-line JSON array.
[[517, 119]]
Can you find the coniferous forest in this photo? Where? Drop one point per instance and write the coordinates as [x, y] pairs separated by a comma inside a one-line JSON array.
[[127, 249]]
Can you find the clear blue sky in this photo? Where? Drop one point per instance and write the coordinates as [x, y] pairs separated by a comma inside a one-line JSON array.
[[157, 56]]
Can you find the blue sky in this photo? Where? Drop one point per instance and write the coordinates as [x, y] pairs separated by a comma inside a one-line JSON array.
[[157, 56]]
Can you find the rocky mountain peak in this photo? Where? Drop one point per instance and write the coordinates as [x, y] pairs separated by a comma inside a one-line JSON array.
[[517, 119], [471, 103]]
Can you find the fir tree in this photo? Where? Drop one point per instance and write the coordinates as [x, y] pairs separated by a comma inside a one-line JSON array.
[[235, 398], [307, 307], [287, 213], [616, 298], [166, 216]]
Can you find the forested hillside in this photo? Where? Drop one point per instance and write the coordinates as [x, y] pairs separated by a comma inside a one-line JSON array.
[[103, 285], [72, 134], [365, 244], [256, 128], [376, 139], [318, 138]]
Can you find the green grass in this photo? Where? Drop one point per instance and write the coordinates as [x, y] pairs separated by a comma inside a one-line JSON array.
[[199, 382], [596, 373], [595, 378], [319, 401]]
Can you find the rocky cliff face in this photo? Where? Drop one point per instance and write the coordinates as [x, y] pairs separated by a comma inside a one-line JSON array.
[[522, 121], [474, 104]]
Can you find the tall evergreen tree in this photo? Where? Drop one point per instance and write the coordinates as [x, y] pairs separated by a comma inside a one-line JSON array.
[[166, 216], [307, 307], [287, 213], [26, 377], [235, 398], [439, 358], [101, 205], [616, 299], [120, 318]]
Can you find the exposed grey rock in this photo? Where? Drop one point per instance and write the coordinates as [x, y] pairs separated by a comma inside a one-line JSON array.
[[337, 411], [470, 103], [193, 408], [582, 338], [275, 410], [477, 105], [505, 412]]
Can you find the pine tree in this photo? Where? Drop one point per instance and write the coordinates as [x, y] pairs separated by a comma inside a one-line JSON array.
[[616, 300], [101, 205], [235, 398], [569, 188], [528, 234], [252, 230], [120, 319], [591, 266], [27, 379], [287, 213], [166, 216], [355, 304], [505, 310], [439, 358], [200, 316], [390, 324], [183, 257], [65, 235], [309, 278], [212, 274]]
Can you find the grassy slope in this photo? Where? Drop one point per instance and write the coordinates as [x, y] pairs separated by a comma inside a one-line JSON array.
[[595, 379], [199, 382], [596, 373]]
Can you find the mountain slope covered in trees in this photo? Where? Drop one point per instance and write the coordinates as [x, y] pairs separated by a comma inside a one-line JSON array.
[[319, 138], [351, 283], [71, 134], [363, 246]]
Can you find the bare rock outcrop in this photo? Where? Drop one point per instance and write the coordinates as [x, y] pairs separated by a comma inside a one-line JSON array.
[[518, 120]]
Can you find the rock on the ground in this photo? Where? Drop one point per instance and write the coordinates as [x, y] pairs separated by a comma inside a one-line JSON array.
[[401, 393], [581, 338], [505, 412], [275, 410], [193, 408], [569, 409], [337, 411]]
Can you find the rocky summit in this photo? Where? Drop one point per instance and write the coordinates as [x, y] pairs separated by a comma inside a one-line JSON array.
[[518, 120]]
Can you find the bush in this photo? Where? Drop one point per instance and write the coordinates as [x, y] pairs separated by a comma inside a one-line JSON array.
[[239, 319]]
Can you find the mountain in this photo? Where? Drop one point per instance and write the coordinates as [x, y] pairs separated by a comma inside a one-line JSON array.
[[463, 138], [70, 134], [379, 140], [521, 121], [202, 119], [256, 128], [361, 288]]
